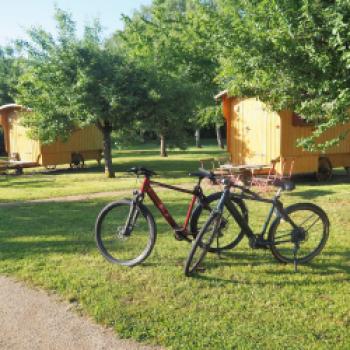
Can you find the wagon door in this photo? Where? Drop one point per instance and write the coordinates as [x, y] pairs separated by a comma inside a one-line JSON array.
[[27, 149], [258, 132]]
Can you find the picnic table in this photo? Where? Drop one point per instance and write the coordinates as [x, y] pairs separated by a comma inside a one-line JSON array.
[[244, 167], [248, 170]]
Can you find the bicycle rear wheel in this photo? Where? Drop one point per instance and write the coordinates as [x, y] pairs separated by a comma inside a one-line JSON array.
[[311, 234], [122, 244], [202, 243]]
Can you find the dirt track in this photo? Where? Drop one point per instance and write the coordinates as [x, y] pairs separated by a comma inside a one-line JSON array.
[[33, 320]]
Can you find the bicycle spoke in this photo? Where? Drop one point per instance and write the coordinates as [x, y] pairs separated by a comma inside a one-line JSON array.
[[317, 219], [285, 235], [281, 242], [307, 219]]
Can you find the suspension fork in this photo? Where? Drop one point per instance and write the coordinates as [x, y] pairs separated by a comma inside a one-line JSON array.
[[239, 219], [224, 199], [134, 213], [218, 211]]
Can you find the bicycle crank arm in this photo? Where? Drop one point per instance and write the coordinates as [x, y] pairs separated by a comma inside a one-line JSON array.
[[181, 235], [258, 242]]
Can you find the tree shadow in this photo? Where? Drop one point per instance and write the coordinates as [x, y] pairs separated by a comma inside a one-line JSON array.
[[169, 167], [338, 178], [311, 193], [15, 250], [62, 227], [24, 182]]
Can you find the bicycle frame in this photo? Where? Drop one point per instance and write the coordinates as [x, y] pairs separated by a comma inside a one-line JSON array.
[[146, 188], [246, 194]]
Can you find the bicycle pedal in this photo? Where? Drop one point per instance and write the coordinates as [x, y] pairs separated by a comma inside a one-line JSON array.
[[181, 236]]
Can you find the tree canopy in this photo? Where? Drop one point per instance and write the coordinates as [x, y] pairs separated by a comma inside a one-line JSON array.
[[71, 83], [172, 41], [9, 73], [291, 54]]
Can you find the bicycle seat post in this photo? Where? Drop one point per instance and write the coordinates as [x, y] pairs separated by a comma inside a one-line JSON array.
[[278, 193]]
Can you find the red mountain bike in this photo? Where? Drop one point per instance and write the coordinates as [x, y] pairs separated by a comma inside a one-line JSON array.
[[126, 231]]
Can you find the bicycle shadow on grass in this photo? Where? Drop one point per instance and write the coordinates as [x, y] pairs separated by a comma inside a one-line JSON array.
[[332, 265], [263, 283]]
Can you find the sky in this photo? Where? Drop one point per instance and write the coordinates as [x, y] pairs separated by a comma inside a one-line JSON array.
[[19, 15]]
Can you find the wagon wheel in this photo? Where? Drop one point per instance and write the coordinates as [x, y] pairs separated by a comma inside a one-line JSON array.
[[99, 158], [325, 170], [19, 171], [77, 161]]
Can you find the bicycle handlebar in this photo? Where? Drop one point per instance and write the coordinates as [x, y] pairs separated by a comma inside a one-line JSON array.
[[141, 171], [202, 173]]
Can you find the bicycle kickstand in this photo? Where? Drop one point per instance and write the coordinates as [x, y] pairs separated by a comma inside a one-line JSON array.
[[295, 251], [217, 245]]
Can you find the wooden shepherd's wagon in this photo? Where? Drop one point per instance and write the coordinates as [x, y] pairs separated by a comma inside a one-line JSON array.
[[258, 136], [23, 152]]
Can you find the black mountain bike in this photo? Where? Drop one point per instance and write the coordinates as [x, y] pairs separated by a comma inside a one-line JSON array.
[[296, 235]]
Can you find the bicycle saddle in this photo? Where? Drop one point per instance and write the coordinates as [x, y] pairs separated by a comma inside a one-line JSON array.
[[285, 185], [141, 171], [202, 173]]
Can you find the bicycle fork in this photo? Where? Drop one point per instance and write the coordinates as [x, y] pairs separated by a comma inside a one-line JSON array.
[[133, 215], [218, 212]]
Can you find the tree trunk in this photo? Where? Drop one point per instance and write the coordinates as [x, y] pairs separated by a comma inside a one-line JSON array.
[[197, 135], [107, 151], [218, 136], [163, 152]]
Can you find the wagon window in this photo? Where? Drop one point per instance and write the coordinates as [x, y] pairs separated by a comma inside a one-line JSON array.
[[298, 120]]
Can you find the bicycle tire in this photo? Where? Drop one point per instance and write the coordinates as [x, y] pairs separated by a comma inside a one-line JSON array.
[[283, 252], [107, 227], [192, 263], [228, 242]]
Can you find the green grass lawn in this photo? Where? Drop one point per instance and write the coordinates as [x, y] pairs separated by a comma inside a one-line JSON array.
[[40, 183], [245, 300]]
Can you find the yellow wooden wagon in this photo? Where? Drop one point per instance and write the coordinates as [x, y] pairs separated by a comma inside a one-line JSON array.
[[82, 144], [258, 135]]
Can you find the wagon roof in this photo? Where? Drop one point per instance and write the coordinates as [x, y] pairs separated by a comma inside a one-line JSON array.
[[13, 106], [220, 94]]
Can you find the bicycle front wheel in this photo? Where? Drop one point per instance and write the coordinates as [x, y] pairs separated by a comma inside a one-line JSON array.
[[125, 232], [230, 234], [202, 243], [310, 235]]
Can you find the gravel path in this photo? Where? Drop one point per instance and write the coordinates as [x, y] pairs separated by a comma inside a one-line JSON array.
[[33, 320]]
